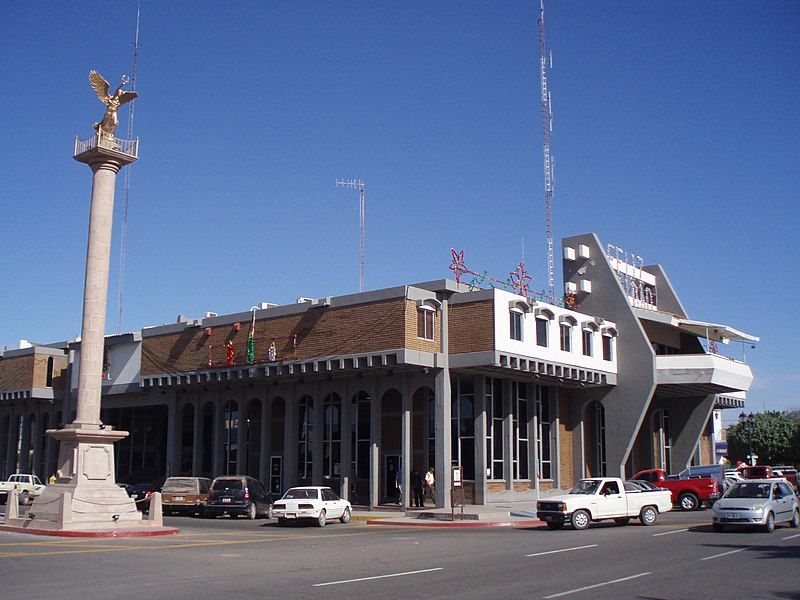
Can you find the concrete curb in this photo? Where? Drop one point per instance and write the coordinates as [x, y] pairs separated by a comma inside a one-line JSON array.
[[517, 524], [91, 534]]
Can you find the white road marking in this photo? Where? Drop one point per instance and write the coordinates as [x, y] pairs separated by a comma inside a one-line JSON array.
[[377, 577], [562, 550], [404, 538], [791, 536], [725, 553], [596, 585], [670, 532]]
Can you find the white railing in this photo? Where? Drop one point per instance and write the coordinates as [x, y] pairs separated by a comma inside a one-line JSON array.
[[128, 147]]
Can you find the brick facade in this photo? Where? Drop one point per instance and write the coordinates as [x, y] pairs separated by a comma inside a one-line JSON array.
[[471, 327], [565, 434], [17, 372]]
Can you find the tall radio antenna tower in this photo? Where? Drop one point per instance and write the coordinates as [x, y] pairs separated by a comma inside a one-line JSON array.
[[547, 129], [127, 183], [357, 184]]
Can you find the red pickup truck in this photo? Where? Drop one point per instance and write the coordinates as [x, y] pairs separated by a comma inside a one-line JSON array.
[[765, 472], [688, 494]]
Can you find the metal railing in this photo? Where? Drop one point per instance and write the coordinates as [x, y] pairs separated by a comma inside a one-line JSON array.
[[128, 147]]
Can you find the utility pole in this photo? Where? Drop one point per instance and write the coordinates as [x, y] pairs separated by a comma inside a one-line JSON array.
[[357, 184], [547, 129]]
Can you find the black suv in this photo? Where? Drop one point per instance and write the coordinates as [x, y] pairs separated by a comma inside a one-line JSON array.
[[236, 495]]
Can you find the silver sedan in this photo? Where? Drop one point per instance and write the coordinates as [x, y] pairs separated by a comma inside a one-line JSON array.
[[757, 503]]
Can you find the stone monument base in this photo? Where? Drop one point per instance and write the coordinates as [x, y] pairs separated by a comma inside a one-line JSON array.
[[85, 497]]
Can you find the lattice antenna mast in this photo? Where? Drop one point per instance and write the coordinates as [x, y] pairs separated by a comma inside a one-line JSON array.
[[357, 184], [127, 183], [547, 129]]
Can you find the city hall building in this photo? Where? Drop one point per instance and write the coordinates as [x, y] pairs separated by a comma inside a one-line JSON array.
[[522, 394]]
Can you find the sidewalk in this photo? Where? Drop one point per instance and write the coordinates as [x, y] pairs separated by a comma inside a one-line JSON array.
[[493, 515]]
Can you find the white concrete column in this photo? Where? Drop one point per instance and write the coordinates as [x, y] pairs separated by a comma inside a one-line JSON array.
[[95, 291], [405, 443], [375, 470], [444, 460], [480, 440], [533, 437], [508, 435]]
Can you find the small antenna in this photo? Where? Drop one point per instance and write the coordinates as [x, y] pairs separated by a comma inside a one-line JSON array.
[[358, 185], [127, 182]]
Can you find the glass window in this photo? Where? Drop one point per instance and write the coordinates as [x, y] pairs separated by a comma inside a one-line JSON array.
[[305, 436], [425, 322], [541, 331], [566, 337], [359, 435], [545, 433], [608, 342], [520, 424], [494, 428], [516, 325], [587, 342], [331, 436], [462, 420]]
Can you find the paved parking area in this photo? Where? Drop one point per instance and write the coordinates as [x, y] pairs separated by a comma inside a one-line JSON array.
[[681, 557]]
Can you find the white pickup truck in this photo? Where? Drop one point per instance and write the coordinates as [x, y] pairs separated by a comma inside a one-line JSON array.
[[603, 498], [29, 488]]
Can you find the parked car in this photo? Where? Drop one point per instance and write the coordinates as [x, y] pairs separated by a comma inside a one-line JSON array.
[[141, 493], [603, 498], [643, 485], [29, 488], [185, 495], [236, 495], [688, 494], [319, 504], [757, 503], [766, 472]]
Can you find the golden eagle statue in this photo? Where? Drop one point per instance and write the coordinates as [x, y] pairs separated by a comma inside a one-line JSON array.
[[108, 125]]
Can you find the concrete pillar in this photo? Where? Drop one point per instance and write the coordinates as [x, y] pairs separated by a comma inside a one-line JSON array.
[[443, 442], [480, 441], [290, 440], [13, 441], [25, 446], [197, 437], [49, 444], [316, 446], [508, 434], [533, 437], [265, 443], [375, 483], [405, 442], [36, 445], [347, 449]]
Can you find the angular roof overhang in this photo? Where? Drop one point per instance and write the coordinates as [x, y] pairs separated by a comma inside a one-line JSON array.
[[702, 329]]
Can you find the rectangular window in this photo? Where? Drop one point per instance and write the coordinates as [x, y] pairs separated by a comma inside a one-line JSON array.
[[462, 421], [607, 347], [587, 342], [545, 434], [494, 428], [520, 424], [359, 435], [425, 323], [516, 325], [541, 332], [566, 337]]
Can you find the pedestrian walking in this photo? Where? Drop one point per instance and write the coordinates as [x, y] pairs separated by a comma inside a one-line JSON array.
[[416, 489], [430, 485], [398, 482]]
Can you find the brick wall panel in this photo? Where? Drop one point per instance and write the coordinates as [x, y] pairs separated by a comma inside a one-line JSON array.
[[471, 327]]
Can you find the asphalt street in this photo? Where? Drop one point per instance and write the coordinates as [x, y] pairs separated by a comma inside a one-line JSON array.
[[680, 557]]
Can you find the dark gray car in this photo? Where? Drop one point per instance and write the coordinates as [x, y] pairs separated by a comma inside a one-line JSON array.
[[236, 495]]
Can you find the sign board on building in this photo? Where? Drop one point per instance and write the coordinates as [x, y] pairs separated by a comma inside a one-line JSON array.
[[721, 449]]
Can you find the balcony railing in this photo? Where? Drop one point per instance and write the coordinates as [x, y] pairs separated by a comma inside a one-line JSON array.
[[127, 147]]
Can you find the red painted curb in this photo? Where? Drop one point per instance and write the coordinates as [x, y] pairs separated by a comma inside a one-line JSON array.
[[467, 524], [89, 534]]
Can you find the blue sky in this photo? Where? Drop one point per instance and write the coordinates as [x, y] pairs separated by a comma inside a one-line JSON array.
[[676, 137]]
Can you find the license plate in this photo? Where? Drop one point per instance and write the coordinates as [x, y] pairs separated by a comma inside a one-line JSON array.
[[178, 498], [733, 515], [290, 516], [226, 500]]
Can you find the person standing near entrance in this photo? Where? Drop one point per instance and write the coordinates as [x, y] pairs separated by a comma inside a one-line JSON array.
[[416, 489], [430, 482], [398, 482]]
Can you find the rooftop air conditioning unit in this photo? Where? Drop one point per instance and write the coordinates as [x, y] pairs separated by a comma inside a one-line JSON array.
[[265, 305], [303, 300], [209, 314]]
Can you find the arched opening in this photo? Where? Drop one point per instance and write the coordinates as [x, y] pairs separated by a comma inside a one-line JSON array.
[[594, 439], [360, 413], [187, 439], [252, 438], [230, 444], [305, 440], [391, 447], [276, 424]]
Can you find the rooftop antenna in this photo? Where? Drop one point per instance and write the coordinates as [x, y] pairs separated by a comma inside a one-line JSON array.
[[357, 184], [127, 182], [547, 129]]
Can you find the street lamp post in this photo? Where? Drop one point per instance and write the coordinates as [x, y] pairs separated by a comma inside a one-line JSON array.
[[748, 424]]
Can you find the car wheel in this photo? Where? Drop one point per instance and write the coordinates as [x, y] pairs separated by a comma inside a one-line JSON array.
[[269, 511], [622, 520], [795, 522], [688, 501], [23, 499], [718, 527], [555, 525], [580, 519], [648, 516], [321, 520], [251, 511], [345, 518], [769, 526]]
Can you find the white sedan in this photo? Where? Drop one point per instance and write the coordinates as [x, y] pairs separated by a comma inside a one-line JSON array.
[[318, 503]]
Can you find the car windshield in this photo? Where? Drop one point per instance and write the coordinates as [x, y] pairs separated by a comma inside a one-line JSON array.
[[227, 484], [180, 484], [300, 494], [586, 486], [749, 490]]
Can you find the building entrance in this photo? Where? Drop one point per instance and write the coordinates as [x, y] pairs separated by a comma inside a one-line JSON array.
[[391, 464]]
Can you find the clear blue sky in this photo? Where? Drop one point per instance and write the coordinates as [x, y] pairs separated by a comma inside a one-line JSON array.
[[676, 137]]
